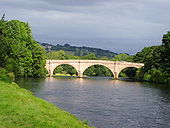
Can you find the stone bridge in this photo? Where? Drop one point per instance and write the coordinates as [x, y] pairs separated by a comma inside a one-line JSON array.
[[81, 65]]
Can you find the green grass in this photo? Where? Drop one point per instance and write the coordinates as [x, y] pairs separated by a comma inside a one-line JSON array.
[[20, 109]]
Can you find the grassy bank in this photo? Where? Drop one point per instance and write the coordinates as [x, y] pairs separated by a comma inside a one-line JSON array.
[[20, 109]]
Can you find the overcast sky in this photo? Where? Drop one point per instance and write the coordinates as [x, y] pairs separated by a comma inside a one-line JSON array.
[[116, 25]]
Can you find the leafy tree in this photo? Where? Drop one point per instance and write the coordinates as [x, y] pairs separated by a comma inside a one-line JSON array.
[[157, 62], [39, 60], [157, 76], [58, 55], [122, 57], [19, 52], [89, 57], [128, 72], [165, 53]]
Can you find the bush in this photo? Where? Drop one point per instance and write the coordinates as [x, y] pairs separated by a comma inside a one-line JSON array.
[[122, 74], [146, 77], [11, 76], [158, 76], [5, 76], [139, 74]]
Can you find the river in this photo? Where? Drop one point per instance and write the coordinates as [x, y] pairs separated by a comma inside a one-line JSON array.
[[106, 103]]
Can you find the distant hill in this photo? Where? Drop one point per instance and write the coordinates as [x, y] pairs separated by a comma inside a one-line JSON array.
[[79, 51]]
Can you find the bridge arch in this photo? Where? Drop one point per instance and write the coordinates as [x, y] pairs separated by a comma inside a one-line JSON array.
[[69, 68], [107, 67], [125, 67], [51, 66]]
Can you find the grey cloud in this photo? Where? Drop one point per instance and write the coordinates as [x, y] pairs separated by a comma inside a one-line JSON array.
[[76, 2]]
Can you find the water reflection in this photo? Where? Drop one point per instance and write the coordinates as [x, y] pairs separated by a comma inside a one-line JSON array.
[[106, 103]]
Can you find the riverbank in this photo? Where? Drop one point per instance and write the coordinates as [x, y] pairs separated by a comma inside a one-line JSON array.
[[19, 108]]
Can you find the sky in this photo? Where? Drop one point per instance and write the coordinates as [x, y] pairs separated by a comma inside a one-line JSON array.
[[122, 26]]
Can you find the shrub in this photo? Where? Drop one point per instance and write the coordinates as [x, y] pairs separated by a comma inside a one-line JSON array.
[[146, 77], [11, 76], [139, 74], [158, 76], [5, 76]]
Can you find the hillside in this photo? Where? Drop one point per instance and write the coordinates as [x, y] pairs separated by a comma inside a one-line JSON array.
[[79, 51]]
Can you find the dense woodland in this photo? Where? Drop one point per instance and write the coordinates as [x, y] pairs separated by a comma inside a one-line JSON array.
[[22, 56]]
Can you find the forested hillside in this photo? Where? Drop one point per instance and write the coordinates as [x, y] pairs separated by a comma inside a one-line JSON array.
[[79, 51]]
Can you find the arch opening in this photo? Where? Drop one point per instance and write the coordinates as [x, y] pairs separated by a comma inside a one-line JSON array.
[[128, 72], [65, 70], [98, 71]]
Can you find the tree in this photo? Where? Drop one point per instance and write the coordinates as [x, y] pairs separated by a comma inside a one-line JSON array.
[[157, 62], [58, 55], [39, 60], [165, 53], [122, 57], [19, 52], [89, 57]]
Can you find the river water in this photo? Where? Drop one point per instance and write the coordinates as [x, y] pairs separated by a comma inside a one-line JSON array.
[[106, 103]]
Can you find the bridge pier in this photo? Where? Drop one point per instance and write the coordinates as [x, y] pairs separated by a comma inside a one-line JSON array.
[[116, 75], [50, 74], [80, 74]]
